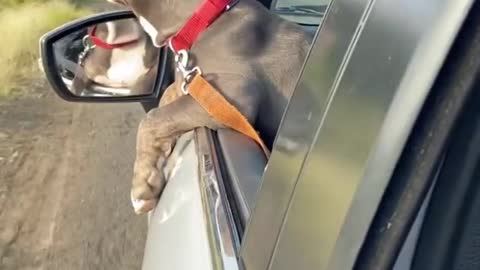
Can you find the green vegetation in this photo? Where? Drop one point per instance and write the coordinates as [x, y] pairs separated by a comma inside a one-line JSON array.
[[22, 23]]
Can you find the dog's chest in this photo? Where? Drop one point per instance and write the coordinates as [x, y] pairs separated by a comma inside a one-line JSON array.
[[126, 66]]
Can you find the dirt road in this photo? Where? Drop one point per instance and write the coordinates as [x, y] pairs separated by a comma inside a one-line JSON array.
[[64, 184]]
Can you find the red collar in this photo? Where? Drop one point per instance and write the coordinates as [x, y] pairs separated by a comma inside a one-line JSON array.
[[104, 45], [205, 15]]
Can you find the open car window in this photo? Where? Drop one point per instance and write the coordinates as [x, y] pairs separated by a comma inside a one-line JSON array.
[[242, 161]]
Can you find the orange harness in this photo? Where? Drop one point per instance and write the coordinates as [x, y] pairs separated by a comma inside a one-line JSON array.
[[220, 109]]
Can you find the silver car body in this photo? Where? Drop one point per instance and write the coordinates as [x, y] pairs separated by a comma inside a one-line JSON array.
[[370, 69]]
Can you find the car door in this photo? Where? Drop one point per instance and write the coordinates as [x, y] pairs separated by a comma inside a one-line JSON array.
[[370, 85], [356, 105]]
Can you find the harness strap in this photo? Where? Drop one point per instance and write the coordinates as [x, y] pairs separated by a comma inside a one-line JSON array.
[[220, 109], [105, 45]]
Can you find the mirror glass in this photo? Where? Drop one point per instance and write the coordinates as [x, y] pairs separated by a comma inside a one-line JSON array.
[[115, 58]]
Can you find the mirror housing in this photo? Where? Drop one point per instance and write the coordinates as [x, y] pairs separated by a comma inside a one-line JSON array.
[[49, 63]]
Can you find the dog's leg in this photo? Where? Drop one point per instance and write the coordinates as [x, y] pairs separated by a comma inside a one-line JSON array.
[[156, 135], [158, 182], [80, 82], [175, 116]]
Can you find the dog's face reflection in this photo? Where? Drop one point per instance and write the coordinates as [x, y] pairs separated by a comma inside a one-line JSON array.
[[130, 63]]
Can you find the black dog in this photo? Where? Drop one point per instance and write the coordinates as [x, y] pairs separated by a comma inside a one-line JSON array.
[[249, 54]]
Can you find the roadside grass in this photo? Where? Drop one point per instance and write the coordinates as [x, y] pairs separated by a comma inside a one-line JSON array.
[[22, 23]]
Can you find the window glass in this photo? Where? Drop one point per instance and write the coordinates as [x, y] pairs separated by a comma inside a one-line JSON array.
[[308, 12]]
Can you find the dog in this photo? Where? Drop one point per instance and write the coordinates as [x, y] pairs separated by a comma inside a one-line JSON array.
[[250, 55], [132, 63]]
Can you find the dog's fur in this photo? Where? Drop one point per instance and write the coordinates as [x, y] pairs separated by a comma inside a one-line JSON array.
[[252, 56], [133, 66]]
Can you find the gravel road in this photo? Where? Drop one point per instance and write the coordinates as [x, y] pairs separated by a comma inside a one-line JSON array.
[[65, 173]]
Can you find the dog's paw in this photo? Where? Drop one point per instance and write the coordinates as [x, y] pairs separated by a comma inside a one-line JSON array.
[[148, 183]]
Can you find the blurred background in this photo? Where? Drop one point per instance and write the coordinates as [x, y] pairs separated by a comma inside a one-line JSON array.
[[65, 168]]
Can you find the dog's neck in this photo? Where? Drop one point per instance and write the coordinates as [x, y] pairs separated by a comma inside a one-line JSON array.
[[164, 21], [233, 31]]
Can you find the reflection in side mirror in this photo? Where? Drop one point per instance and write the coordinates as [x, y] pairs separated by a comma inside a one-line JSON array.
[[108, 59]]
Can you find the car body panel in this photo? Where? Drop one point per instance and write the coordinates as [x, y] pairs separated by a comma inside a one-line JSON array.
[[298, 128], [325, 202], [436, 24], [192, 226], [177, 234]]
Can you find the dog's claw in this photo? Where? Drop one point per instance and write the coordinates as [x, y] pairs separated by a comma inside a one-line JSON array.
[[143, 206]]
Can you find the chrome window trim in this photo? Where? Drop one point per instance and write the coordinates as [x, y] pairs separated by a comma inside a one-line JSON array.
[[221, 228]]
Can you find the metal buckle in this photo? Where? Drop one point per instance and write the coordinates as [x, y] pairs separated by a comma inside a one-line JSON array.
[[181, 60], [87, 48]]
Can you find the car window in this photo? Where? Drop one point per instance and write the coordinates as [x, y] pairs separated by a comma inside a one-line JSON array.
[[309, 12], [242, 161]]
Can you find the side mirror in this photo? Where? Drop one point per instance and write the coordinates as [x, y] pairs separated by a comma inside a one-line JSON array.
[[105, 58]]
